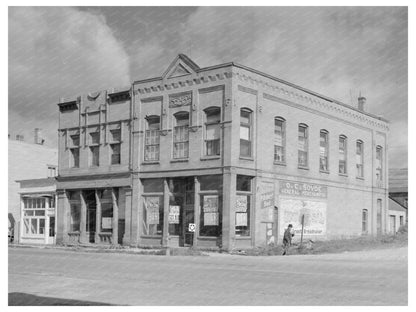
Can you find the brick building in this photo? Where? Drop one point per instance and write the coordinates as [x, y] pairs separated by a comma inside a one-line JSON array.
[[226, 150], [27, 160]]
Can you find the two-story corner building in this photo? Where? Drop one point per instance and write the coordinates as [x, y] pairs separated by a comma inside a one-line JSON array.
[[227, 151]]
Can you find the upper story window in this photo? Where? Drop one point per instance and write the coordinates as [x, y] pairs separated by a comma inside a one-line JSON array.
[[152, 139], [94, 159], [245, 132], [181, 135], [74, 150], [303, 145], [94, 138], [51, 171], [323, 151], [115, 146], [279, 140], [360, 158], [342, 151], [379, 163], [212, 131]]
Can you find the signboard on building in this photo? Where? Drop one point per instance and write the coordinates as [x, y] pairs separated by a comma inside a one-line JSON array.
[[174, 214], [266, 201], [106, 223], [210, 218], [210, 203], [241, 219], [299, 199], [152, 210]]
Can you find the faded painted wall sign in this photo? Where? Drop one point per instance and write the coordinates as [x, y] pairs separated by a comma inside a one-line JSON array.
[[266, 201], [182, 99], [289, 188]]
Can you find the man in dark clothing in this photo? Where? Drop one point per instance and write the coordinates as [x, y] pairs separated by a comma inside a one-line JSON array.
[[287, 239]]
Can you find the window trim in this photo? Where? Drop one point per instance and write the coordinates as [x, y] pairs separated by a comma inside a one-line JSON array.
[[248, 125], [212, 110], [283, 146], [181, 115], [361, 159], [326, 133], [306, 127], [379, 148], [151, 120], [345, 138]]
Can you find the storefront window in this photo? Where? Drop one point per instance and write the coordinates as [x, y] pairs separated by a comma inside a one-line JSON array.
[[152, 185], [152, 215], [106, 211], [75, 210], [243, 204], [34, 215], [210, 223]]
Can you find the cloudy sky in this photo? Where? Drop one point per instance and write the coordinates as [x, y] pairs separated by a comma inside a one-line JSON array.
[[63, 51]]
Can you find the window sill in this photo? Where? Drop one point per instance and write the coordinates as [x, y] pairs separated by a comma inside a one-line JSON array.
[[343, 174], [324, 171], [210, 157], [360, 178], [207, 237], [279, 163], [151, 236], [105, 234], [303, 168], [150, 163], [114, 165], [243, 237], [246, 158], [92, 145], [179, 160]]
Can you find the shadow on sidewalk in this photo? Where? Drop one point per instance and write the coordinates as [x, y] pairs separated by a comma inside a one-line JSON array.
[[22, 299]]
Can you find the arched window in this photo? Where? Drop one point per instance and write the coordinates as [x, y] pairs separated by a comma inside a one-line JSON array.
[[342, 151], [279, 140], [212, 131], [152, 135], [245, 132], [379, 163], [323, 150], [181, 135], [303, 145]]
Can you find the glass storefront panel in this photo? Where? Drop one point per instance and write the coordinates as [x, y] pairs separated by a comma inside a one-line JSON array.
[[152, 215], [210, 222]]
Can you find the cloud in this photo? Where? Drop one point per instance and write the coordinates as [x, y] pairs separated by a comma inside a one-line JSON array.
[[58, 52]]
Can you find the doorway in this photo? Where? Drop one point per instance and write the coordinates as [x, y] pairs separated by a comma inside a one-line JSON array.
[[91, 204]]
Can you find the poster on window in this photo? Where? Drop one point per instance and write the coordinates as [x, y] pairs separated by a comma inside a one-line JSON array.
[[152, 210], [210, 218], [210, 203], [241, 203], [241, 219], [106, 223], [174, 214], [314, 213]]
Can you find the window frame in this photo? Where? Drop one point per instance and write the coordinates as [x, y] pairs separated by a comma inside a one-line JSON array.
[[324, 157], [183, 141], [212, 111], [248, 125], [343, 154], [244, 233], [379, 170], [34, 209], [283, 141], [364, 218], [152, 138], [306, 146], [359, 166]]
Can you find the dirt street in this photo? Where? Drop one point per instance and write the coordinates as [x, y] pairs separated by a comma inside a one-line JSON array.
[[51, 276]]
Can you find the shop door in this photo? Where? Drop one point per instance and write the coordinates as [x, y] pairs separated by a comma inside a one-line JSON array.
[[188, 236], [91, 220]]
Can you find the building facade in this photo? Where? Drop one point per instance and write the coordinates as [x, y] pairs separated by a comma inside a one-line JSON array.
[[26, 160], [217, 157], [37, 211]]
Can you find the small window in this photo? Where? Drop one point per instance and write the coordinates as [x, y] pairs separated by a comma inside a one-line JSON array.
[[94, 156], [115, 135], [51, 171], [74, 158], [75, 140], [94, 138], [303, 145], [115, 154]]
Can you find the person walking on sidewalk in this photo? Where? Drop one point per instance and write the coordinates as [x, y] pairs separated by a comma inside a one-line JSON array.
[[287, 239]]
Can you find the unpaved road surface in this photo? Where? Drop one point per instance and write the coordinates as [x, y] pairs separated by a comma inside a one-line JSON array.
[[60, 277]]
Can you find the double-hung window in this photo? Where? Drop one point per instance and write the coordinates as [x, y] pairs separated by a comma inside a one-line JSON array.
[[360, 158], [245, 132], [152, 139], [115, 146], [74, 151], [212, 131], [342, 150], [94, 143], [379, 163], [323, 151], [279, 140], [181, 135], [303, 145]]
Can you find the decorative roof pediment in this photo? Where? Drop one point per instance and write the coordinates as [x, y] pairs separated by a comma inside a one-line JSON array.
[[181, 66]]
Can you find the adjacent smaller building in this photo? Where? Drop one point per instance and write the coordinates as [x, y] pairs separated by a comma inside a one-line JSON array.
[[37, 211]]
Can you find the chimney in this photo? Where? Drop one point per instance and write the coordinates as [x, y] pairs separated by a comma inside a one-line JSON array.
[[38, 137], [361, 102]]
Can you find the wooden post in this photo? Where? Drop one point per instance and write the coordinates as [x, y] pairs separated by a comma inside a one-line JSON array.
[[301, 234]]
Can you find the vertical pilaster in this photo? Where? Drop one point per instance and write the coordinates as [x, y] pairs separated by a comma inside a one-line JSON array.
[[197, 210], [115, 217], [61, 219], [135, 207], [83, 224], [97, 217], [127, 215], [228, 209], [20, 229], [165, 234]]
